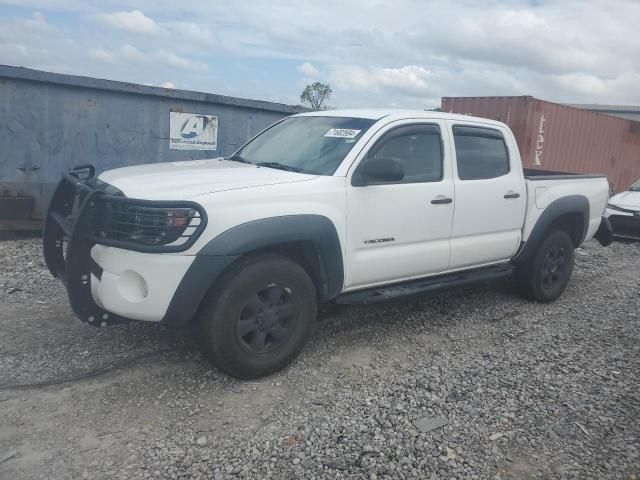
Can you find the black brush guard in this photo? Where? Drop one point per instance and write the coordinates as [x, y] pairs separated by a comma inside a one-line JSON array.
[[71, 230]]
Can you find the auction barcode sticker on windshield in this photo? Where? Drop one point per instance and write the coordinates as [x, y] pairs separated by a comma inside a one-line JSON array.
[[342, 133]]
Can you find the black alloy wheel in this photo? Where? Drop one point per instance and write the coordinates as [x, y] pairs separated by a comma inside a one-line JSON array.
[[553, 267], [267, 320], [258, 315], [545, 275]]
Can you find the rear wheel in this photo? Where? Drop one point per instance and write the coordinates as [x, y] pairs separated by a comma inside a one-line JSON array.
[[546, 275], [260, 317]]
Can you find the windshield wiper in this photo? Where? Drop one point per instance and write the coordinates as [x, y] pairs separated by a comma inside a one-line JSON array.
[[238, 158], [282, 166]]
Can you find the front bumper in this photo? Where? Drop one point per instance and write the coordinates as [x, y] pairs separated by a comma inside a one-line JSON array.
[[134, 285], [625, 223], [107, 281]]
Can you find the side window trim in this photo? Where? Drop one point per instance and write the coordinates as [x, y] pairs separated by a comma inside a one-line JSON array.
[[384, 138], [498, 134]]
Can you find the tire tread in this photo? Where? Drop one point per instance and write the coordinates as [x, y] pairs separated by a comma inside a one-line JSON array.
[[214, 332], [526, 274]]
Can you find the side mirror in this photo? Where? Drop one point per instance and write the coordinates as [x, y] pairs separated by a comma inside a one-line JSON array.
[[380, 170]]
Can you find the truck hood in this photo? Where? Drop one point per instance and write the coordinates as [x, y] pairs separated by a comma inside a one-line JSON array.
[[628, 199], [183, 180]]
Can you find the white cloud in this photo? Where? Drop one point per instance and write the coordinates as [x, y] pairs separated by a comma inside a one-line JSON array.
[[37, 22], [308, 70], [168, 85], [133, 21], [172, 60], [36, 25], [410, 79], [126, 54], [21, 51], [30, 41], [595, 89], [405, 52], [175, 33], [189, 32], [132, 57]]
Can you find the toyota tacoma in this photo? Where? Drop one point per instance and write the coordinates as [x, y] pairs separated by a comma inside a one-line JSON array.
[[352, 206]]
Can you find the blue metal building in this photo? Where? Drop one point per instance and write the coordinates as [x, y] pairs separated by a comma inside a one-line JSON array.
[[51, 122]]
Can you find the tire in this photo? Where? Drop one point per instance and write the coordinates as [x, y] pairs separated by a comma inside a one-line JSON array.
[[545, 276], [258, 316]]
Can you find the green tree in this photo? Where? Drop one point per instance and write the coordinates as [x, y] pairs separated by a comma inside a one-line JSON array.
[[315, 95]]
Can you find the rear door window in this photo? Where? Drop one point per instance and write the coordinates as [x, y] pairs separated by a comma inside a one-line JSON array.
[[481, 153]]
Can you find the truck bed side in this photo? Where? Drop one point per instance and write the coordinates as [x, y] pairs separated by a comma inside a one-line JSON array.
[[552, 194]]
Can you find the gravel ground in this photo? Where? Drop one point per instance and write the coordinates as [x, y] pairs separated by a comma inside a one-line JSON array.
[[474, 383]]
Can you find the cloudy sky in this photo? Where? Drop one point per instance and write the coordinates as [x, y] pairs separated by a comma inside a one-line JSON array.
[[405, 53]]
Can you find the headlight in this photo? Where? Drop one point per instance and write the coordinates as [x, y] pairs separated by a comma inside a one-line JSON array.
[[154, 226], [148, 225]]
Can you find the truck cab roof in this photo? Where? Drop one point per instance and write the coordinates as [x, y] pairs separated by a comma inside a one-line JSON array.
[[396, 114]]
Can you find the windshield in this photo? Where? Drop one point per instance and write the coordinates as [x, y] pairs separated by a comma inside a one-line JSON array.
[[636, 186], [314, 145]]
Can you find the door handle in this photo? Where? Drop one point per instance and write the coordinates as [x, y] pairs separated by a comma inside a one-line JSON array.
[[441, 199], [511, 194]]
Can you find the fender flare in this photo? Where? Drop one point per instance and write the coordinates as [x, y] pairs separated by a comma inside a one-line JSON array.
[[562, 206], [245, 238]]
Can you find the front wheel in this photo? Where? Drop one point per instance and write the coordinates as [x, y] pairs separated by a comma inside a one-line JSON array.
[[545, 276], [258, 316]]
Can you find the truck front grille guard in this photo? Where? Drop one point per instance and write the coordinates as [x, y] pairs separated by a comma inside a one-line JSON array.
[[80, 216]]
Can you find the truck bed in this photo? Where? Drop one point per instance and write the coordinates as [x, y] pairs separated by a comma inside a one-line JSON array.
[[539, 174], [545, 187]]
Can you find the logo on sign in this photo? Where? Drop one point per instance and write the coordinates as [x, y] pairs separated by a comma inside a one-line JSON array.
[[193, 131], [194, 126]]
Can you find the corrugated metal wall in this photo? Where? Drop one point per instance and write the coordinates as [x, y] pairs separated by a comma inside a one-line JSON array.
[[558, 137], [51, 122]]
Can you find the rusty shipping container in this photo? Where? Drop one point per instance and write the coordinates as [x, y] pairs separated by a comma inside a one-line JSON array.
[[551, 136]]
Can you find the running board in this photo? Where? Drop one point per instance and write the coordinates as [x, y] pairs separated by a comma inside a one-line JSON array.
[[424, 285]]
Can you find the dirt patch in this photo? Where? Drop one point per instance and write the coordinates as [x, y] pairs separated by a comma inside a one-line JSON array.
[[519, 384]]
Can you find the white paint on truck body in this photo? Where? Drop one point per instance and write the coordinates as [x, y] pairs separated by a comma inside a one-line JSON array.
[[387, 233]]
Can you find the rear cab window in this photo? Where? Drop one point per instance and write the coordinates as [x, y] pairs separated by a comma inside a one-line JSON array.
[[481, 153]]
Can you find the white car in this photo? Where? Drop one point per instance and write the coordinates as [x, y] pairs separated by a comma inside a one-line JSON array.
[[353, 206], [623, 211]]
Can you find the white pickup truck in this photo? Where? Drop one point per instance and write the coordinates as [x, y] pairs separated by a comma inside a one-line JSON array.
[[353, 206]]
